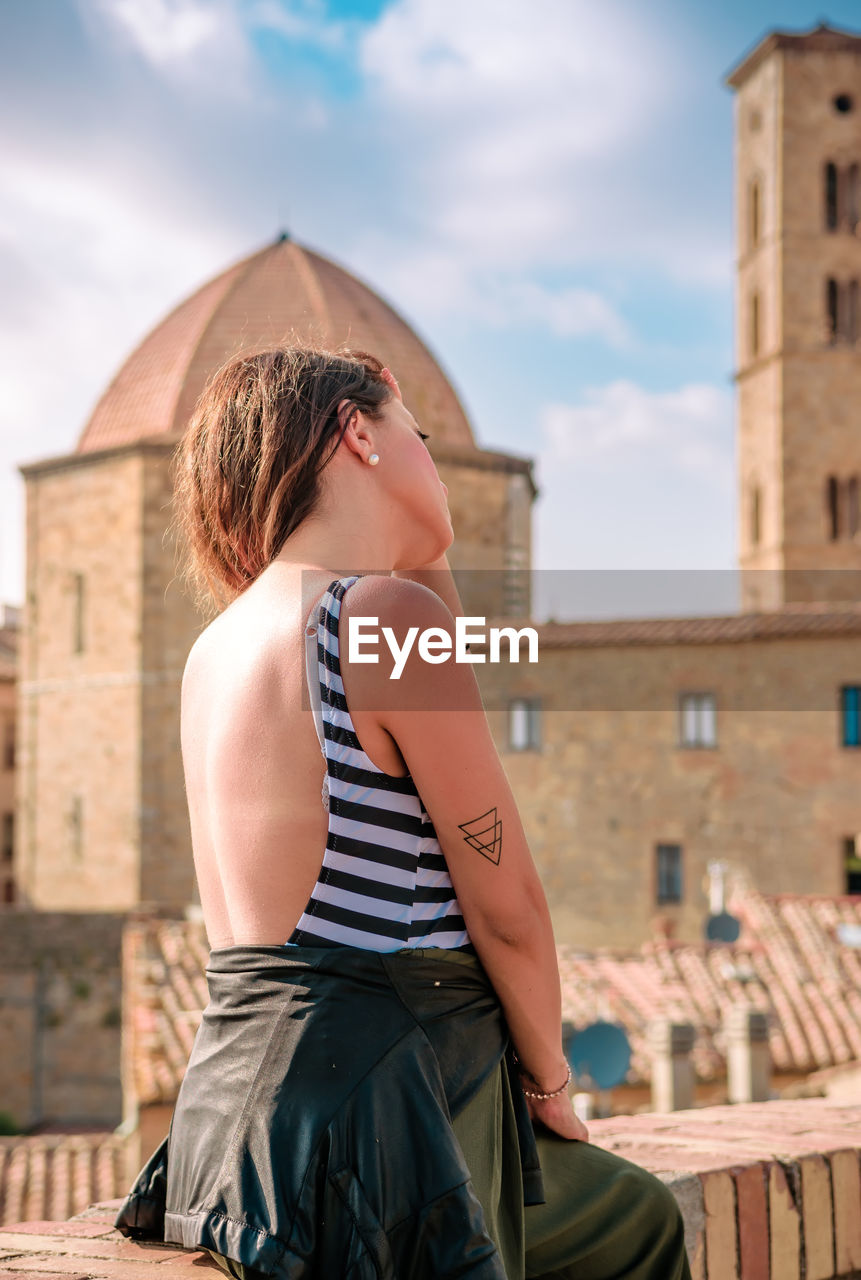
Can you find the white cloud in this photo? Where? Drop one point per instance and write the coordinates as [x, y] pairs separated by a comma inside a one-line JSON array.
[[689, 429], [433, 283], [533, 70], [91, 263], [636, 479], [303, 21], [201, 43], [166, 30], [509, 113], [567, 312]]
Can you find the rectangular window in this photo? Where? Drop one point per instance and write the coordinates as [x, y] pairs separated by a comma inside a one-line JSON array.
[[754, 213], [524, 724], [852, 311], [756, 515], [754, 324], [668, 879], [851, 864], [852, 197], [830, 196], [849, 706], [76, 827], [832, 309], [7, 838], [9, 745], [78, 606], [697, 720]]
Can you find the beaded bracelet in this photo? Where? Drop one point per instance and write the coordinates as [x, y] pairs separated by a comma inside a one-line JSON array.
[[532, 1093]]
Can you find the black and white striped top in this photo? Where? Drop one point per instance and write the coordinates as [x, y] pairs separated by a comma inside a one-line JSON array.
[[384, 884]]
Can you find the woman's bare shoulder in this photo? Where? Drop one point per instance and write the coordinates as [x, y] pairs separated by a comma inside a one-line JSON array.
[[396, 602], [197, 655]]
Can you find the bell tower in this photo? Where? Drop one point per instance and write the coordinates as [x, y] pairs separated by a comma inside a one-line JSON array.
[[797, 154]]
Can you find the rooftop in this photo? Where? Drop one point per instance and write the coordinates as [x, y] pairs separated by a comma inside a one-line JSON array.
[[820, 39], [266, 298], [790, 621], [788, 961]]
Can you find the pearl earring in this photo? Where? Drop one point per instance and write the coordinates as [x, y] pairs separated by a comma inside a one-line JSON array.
[[374, 459]]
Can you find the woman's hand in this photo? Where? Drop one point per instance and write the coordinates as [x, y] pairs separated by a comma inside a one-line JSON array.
[[390, 378], [558, 1114]]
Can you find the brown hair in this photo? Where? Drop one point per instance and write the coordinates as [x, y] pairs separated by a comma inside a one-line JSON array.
[[246, 472]]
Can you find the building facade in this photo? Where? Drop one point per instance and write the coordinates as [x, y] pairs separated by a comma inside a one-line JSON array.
[[798, 324]]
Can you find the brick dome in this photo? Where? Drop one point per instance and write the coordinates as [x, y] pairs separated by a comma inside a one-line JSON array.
[[260, 300]]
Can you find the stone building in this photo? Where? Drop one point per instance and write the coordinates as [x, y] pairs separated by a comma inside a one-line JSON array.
[[798, 223], [638, 751]]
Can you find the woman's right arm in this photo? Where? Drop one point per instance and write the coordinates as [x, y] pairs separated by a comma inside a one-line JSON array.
[[436, 716]]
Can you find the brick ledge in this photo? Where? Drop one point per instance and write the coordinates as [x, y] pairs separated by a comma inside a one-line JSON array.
[[769, 1191]]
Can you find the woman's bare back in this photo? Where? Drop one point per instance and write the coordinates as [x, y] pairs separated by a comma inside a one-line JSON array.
[[253, 765]]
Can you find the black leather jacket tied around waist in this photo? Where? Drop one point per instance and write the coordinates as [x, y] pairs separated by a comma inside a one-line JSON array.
[[312, 1132]]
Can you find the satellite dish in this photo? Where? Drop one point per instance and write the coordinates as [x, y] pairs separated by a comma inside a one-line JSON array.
[[602, 1052], [722, 927], [849, 934]]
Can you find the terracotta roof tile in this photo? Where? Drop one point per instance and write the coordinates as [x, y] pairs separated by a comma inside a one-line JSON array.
[[52, 1175], [262, 300], [164, 994], [790, 621], [787, 962], [141, 398]]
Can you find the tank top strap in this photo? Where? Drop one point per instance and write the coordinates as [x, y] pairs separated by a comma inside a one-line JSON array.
[[313, 677], [313, 666]]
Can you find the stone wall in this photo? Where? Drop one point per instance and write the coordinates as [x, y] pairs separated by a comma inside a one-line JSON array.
[[60, 1018], [79, 695], [169, 625], [775, 798]]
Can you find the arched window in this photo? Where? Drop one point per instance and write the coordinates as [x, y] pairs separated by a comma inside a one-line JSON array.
[[755, 514], [831, 302], [852, 506], [852, 197], [753, 213], [832, 504], [831, 196], [754, 324]]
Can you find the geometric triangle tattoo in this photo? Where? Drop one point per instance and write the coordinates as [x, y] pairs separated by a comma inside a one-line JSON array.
[[485, 835]]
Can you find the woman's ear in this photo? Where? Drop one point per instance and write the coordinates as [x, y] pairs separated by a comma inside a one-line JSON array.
[[347, 409], [351, 416]]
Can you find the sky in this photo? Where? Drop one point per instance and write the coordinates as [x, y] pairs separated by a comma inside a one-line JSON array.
[[542, 188]]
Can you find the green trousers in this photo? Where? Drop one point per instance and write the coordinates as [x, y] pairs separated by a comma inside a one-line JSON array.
[[605, 1218]]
